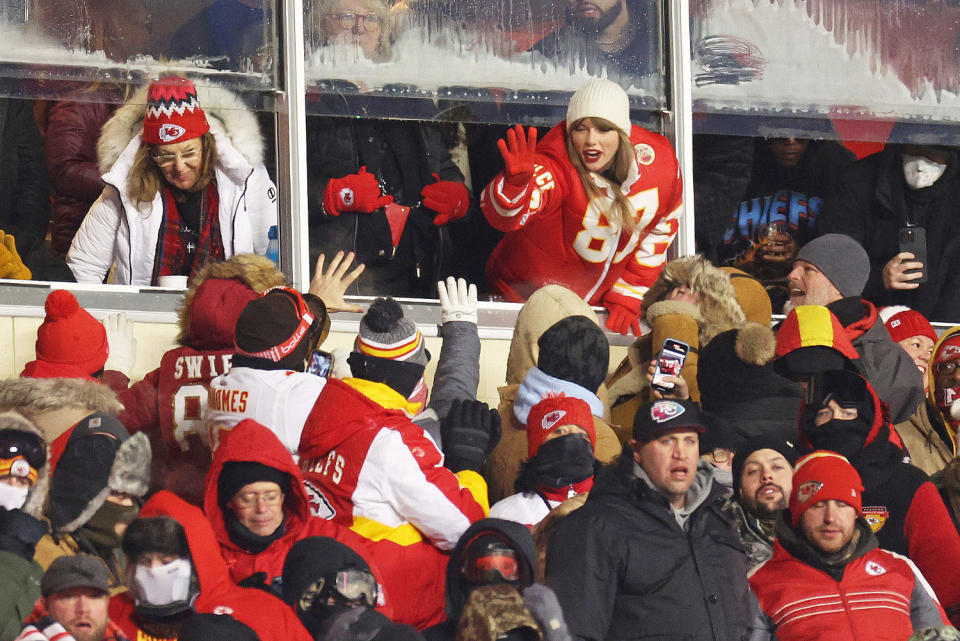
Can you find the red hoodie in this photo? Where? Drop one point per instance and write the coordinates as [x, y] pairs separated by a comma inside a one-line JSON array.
[[251, 441], [267, 615]]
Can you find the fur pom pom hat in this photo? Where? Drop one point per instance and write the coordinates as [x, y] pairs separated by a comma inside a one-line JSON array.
[[600, 98], [70, 343], [386, 333], [173, 112], [99, 457]]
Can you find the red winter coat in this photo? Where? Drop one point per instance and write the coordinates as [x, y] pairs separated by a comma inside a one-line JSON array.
[[250, 441], [267, 615], [71, 148], [554, 235]]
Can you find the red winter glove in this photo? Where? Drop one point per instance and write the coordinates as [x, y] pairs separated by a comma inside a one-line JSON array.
[[518, 152], [622, 319], [359, 192], [448, 198]]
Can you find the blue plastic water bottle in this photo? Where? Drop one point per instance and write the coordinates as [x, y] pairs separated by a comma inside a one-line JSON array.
[[273, 246]]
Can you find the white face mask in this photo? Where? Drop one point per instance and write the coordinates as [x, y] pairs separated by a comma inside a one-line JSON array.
[[164, 584], [12, 497], [921, 172]]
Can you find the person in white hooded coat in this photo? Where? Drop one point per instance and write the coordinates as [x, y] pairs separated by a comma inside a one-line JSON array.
[[135, 233]]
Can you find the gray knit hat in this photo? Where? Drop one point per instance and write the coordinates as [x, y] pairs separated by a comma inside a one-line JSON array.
[[386, 333], [841, 259]]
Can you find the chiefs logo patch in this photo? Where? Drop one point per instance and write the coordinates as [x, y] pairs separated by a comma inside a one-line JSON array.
[[875, 569], [645, 154], [170, 132], [808, 489], [20, 468], [222, 609], [319, 505], [346, 195], [876, 516], [551, 419], [663, 411]]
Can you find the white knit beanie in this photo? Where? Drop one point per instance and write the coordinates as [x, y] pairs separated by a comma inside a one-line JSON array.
[[600, 98]]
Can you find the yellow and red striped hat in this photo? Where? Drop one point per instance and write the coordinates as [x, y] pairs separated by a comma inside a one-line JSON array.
[[18, 467], [386, 333]]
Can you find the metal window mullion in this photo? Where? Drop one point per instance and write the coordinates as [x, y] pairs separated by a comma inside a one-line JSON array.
[[680, 123]]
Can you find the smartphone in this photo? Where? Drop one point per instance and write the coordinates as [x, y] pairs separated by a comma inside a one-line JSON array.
[[321, 364], [914, 240], [669, 363]]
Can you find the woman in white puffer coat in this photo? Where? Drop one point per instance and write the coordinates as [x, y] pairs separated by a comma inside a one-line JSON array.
[[182, 190]]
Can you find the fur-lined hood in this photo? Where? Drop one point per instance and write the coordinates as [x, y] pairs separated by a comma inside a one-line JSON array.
[[37, 495], [56, 404], [718, 308], [226, 112], [257, 273]]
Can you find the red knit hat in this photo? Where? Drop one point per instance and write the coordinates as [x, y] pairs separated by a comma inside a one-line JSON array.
[[556, 411], [821, 476], [70, 343], [173, 112], [903, 323], [948, 350]]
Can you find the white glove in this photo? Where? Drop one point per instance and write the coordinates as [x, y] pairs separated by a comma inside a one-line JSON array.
[[123, 346], [341, 368], [457, 301]]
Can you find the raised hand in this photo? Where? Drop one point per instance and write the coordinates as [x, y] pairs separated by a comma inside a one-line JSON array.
[[458, 301], [448, 198], [359, 192], [518, 151], [331, 285]]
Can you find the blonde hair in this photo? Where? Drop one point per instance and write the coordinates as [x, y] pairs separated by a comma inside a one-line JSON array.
[[145, 178], [615, 173], [321, 9]]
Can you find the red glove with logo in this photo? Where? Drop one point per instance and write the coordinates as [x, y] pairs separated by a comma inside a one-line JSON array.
[[622, 318], [359, 192], [448, 198], [518, 151]]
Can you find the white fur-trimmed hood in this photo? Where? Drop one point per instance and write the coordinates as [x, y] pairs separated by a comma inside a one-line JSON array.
[[225, 111]]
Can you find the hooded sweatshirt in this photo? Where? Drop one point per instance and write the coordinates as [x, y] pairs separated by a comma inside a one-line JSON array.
[[267, 615], [382, 477], [250, 441]]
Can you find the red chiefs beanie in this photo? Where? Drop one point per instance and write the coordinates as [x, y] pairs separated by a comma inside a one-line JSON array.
[[821, 476], [173, 112], [70, 343], [949, 350], [557, 411], [903, 323]]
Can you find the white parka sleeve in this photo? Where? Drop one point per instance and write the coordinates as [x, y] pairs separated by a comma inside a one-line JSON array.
[[94, 246]]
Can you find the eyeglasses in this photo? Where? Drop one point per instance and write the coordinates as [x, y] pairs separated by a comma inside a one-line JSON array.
[[721, 455], [251, 499], [165, 160], [349, 20], [947, 368]]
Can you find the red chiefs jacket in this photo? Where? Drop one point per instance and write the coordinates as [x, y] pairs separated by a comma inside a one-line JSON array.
[[250, 441], [382, 476], [269, 617], [876, 596], [556, 235]]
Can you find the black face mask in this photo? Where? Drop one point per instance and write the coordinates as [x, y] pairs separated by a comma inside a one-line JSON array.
[[843, 437], [563, 460]]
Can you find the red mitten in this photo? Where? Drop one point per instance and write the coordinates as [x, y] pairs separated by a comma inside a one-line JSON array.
[[518, 151], [359, 192], [448, 198], [622, 318]]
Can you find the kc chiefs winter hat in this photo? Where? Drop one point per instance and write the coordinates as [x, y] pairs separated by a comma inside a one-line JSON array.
[[812, 340], [386, 333], [557, 411], [949, 350], [600, 98], [280, 326], [903, 323], [842, 260], [667, 415], [236, 474], [70, 343], [173, 112], [821, 476]]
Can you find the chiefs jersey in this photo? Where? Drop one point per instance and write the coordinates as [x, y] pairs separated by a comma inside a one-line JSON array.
[[555, 234]]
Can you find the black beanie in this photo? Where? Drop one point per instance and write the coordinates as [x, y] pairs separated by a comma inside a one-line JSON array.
[[763, 442], [312, 558], [161, 534], [575, 349], [215, 627], [269, 321], [235, 474]]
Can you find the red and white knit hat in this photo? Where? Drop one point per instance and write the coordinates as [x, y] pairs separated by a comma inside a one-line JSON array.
[[70, 343], [173, 112], [903, 323], [556, 411], [821, 476]]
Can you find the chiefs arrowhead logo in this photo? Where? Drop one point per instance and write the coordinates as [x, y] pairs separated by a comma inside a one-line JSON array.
[[645, 154], [663, 411], [222, 609], [319, 505], [170, 132], [346, 196], [551, 419], [875, 569], [949, 352], [20, 467], [808, 489], [876, 516]]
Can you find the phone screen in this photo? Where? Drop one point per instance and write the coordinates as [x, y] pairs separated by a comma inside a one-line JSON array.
[[321, 363], [669, 363]]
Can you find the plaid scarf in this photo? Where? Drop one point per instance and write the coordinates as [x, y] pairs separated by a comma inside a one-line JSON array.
[[182, 250]]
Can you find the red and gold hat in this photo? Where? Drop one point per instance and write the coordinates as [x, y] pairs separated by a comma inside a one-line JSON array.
[[173, 112], [18, 467]]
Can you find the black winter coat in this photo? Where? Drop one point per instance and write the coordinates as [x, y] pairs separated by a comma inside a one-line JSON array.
[[24, 190], [623, 568], [874, 203], [402, 155]]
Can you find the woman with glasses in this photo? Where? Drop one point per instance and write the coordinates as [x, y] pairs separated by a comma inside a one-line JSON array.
[[182, 190]]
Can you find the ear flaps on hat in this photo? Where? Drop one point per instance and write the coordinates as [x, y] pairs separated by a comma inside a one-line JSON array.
[[130, 472]]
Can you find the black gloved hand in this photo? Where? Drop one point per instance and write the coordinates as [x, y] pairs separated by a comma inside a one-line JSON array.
[[256, 580], [469, 432]]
